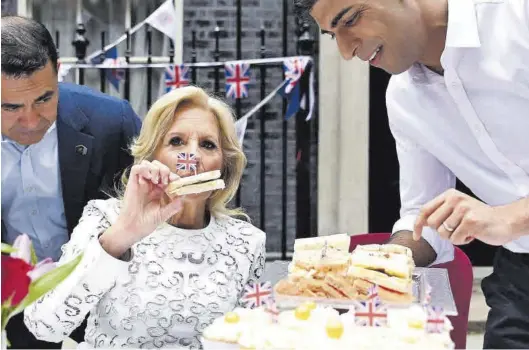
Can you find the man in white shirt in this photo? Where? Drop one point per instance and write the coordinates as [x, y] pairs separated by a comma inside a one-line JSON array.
[[458, 106]]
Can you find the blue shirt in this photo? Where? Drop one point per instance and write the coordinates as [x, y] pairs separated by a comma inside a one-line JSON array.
[[32, 200]]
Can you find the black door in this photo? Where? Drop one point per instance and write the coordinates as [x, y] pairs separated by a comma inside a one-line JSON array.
[[384, 202]]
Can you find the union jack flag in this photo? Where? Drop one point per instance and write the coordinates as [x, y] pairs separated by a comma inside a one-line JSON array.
[[436, 319], [257, 294], [176, 76], [428, 295], [237, 79], [294, 69], [271, 308], [371, 313], [186, 161]]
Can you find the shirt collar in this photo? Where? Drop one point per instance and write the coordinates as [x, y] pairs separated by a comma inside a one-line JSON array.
[[462, 28], [51, 129]]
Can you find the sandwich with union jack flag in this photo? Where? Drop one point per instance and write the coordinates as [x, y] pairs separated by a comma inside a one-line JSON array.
[[237, 79], [203, 182]]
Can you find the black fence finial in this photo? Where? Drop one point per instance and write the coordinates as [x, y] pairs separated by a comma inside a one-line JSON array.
[[80, 42], [306, 41]]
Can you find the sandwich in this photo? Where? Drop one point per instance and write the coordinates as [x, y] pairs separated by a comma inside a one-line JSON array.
[[390, 267], [339, 242], [203, 182], [319, 263], [388, 259]]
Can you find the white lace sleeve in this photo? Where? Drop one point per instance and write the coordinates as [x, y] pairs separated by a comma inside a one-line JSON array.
[[59, 312]]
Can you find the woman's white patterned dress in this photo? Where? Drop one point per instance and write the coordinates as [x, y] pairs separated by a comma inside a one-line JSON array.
[[176, 282]]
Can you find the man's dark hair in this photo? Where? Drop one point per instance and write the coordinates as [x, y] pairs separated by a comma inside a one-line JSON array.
[[27, 46], [302, 8]]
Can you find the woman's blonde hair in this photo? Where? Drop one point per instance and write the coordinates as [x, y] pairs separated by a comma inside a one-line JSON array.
[[158, 122]]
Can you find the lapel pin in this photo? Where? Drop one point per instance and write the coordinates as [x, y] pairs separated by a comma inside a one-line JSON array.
[[81, 149]]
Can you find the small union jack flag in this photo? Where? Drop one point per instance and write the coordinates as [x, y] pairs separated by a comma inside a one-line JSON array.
[[436, 319], [257, 294], [294, 69], [176, 76], [186, 161], [372, 312], [271, 308], [237, 79], [428, 295]]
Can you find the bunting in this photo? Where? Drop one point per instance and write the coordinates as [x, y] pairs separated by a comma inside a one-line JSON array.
[[116, 73], [176, 76], [237, 79]]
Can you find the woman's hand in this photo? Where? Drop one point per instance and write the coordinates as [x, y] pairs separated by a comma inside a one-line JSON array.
[[145, 206]]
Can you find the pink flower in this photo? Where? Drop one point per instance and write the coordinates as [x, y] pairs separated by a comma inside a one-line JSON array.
[[22, 245], [41, 268]]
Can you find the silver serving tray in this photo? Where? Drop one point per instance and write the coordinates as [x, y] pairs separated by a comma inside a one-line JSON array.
[[441, 293]]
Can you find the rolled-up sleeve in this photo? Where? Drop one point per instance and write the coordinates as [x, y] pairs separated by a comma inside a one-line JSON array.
[[422, 178]]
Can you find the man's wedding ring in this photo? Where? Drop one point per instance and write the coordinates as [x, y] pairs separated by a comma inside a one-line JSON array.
[[448, 228]]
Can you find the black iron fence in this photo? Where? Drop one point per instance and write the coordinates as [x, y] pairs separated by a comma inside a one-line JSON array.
[[306, 136]]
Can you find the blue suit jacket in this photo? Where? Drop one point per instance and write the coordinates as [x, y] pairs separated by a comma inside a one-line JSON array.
[[105, 126]]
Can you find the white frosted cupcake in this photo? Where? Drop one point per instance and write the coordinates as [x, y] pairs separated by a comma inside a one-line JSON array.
[[327, 335], [307, 315], [269, 337], [224, 332]]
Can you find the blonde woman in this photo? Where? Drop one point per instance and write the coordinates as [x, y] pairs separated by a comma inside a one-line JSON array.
[[157, 270]]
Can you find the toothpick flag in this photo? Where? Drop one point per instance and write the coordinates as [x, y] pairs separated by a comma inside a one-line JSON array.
[[371, 312], [257, 294], [186, 162], [436, 319]]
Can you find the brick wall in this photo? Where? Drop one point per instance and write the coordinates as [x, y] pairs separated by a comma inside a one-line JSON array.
[[203, 16]]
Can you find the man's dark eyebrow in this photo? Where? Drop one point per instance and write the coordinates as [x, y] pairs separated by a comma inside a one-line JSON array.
[[339, 16], [11, 105], [44, 96]]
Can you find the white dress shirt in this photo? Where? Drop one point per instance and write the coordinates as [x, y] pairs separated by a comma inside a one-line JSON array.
[[176, 284], [473, 122]]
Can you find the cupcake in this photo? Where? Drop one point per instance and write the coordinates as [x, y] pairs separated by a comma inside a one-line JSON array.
[[306, 315], [327, 335], [224, 332]]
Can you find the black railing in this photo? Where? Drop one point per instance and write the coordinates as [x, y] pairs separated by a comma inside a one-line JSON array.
[[306, 133]]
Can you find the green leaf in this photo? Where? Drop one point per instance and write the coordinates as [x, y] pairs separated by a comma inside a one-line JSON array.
[[7, 249], [46, 283], [34, 259]]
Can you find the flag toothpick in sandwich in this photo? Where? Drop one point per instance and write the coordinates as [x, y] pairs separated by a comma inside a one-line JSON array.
[[203, 182], [187, 162]]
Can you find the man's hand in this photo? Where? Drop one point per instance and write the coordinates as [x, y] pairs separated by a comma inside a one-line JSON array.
[[423, 253], [461, 218]]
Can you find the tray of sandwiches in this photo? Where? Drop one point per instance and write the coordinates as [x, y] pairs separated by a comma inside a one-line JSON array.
[[323, 270]]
